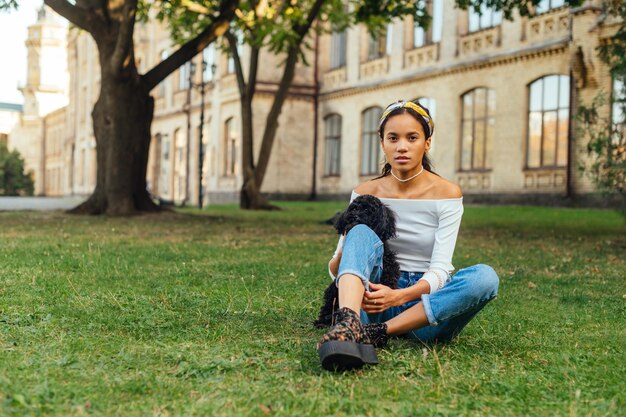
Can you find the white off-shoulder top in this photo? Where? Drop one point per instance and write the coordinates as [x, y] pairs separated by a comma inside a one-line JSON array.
[[426, 236]]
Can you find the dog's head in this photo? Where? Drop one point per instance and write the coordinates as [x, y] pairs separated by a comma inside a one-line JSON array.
[[370, 211]]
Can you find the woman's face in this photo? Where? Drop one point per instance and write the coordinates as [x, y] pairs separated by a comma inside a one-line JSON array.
[[404, 143]]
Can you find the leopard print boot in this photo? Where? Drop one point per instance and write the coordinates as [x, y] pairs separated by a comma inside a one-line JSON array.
[[347, 345]]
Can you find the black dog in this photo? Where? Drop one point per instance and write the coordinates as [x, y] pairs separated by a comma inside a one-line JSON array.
[[370, 211]]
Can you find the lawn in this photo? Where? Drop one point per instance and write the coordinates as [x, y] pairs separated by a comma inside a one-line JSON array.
[[209, 313]]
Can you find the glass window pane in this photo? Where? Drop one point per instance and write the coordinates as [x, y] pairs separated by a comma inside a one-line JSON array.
[[486, 18], [480, 102], [466, 145], [563, 91], [329, 157], [479, 144], [549, 138], [550, 92], [374, 155], [364, 145], [497, 18], [208, 55], [389, 39], [337, 159], [536, 95], [437, 22], [337, 126], [543, 6], [557, 3], [561, 157], [368, 121], [489, 141], [491, 102], [372, 48], [534, 140], [474, 21], [619, 102], [468, 106], [419, 38]]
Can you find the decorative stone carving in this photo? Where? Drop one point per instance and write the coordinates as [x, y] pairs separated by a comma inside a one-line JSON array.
[[374, 69], [545, 179], [548, 26], [476, 43], [474, 181], [421, 57], [334, 78]]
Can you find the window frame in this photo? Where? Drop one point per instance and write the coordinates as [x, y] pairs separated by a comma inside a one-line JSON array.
[[484, 9], [487, 119], [371, 136], [338, 49], [429, 35], [542, 112], [335, 135], [539, 10]]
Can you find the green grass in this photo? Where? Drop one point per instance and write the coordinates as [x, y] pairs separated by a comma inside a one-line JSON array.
[[209, 313]]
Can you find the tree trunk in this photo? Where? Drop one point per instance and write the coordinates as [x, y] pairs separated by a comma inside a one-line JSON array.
[[250, 197], [121, 118], [123, 113]]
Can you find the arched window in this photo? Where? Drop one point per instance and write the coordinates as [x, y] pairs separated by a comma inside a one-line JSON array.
[[332, 135], [487, 18], [477, 122], [370, 146], [548, 122], [230, 148], [431, 105], [423, 37]]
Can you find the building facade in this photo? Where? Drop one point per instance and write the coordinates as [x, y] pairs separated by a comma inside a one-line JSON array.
[[503, 95], [45, 91]]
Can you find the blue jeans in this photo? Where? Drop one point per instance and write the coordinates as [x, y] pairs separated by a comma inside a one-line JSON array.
[[448, 310]]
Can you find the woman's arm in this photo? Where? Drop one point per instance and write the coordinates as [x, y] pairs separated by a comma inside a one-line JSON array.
[[438, 274], [333, 265], [384, 297]]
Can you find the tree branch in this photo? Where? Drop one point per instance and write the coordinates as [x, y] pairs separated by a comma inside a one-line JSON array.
[[120, 58], [254, 66], [190, 49], [74, 14], [313, 13], [271, 124], [232, 41]]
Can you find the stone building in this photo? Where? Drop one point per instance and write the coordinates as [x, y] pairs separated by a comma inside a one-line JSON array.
[[502, 93], [44, 92]]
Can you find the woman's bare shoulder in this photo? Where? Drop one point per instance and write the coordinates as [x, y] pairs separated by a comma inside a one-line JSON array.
[[368, 187], [447, 189]]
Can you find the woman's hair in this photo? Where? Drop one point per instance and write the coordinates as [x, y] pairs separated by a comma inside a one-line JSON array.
[[402, 109]]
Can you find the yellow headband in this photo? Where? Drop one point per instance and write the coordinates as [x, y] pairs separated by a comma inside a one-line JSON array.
[[409, 105]]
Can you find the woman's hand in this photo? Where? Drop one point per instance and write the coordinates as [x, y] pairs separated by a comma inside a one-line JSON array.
[[380, 298]]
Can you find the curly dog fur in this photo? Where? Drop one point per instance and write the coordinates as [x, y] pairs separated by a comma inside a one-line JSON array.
[[370, 211]]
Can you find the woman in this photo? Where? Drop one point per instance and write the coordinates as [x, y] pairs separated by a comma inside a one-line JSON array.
[[429, 304]]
